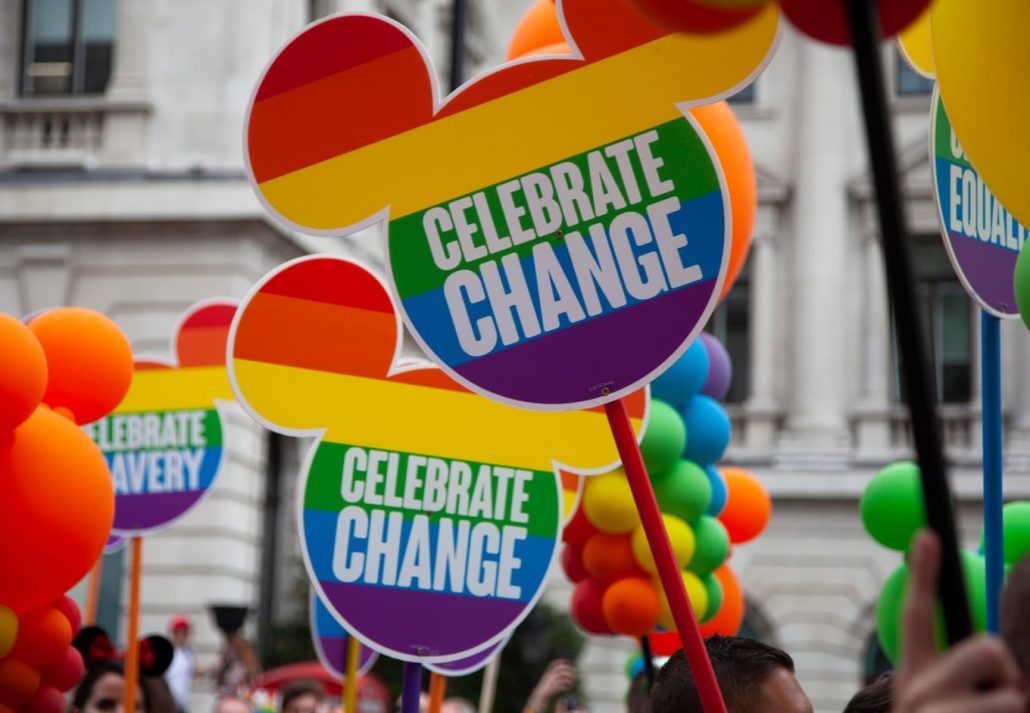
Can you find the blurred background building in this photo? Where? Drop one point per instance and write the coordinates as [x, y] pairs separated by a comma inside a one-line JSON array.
[[122, 189]]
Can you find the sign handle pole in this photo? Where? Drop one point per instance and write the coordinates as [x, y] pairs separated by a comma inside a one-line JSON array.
[[668, 571], [411, 687], [89, 616], [350, 688], [486, 693], [132, 641], [645, 652], [437, 690], [917, 384], [994, 546]]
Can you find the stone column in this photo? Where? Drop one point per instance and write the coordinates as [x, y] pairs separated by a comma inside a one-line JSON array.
[[133, 26], [762, 409], [821, 338]]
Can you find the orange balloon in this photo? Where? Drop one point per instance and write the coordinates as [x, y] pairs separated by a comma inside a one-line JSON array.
[[722, 128], [556, 48], [631, 606], [55, 512], [538, 28], [44, 634], [18, 681], [23, 378], [730, 616], [748, 506], [609, 557], [89, 361]]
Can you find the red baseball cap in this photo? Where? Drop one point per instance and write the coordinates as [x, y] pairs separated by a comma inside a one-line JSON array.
[[178, 622]]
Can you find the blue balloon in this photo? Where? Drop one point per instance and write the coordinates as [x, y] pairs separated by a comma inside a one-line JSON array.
[[718, 501], [708, 430], [637, 668], [684, 378]]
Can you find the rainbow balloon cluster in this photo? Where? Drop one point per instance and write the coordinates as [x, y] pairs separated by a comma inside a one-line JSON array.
[[65, 368], [37, 661], [705, 511], [892, 512]]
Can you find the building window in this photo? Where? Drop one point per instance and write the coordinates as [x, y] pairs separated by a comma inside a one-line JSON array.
[[907, 83], [947, 315], [744, 96], [730, 324], [67, 46]]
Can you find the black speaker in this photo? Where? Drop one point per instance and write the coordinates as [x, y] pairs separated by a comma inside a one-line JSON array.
[[229, 617]]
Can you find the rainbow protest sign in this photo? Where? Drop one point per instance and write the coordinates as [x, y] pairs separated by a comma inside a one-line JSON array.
[[429, 516], [163, 443]]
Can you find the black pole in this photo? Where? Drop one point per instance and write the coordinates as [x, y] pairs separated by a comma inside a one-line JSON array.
[[270, 542], [645, 650], [917, 386], [458, 8]]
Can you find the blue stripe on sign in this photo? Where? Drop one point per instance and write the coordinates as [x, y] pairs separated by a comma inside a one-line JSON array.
[[700, 219], [320, 533], [136, 468]]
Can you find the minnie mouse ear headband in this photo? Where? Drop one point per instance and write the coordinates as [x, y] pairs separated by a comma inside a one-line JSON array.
[[155, 652]]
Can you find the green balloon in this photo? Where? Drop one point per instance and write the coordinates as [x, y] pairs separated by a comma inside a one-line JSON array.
[[1021, 286], [889, 606], [684, 490], [712, 544], [892, 505], [714, 587], [1016, 524], [665, 437]]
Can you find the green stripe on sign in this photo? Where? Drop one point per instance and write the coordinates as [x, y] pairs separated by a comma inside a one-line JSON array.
[[326, 476], [157, 430], [686, 164], [942, 139]]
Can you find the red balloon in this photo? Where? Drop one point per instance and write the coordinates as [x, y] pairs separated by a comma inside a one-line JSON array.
[[538, 28], [18, 681], [67, 606], [572, 563], [665, 643], [66, 673], [631, 606], [89, 361], [610, 557], [578, 529], [687, 16], [748, 506], [44, 635], [23, 378], [827, 21], [730, 616], [46, 699], [586, 607], [56, 510]]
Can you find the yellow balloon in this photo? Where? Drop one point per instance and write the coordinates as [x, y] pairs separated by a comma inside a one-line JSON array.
[[681, 537], [608, 503], [980, 52], [916, 45], [696, 593], [8, 630]]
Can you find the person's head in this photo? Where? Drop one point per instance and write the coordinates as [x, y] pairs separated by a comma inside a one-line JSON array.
[[874, 698], [231, 704], [179, 628], [1015, 616], [753, 677], [457, 705], [303, 696], [102, 690]]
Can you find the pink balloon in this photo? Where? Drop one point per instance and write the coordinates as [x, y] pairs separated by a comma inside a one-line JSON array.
[[66, 673], [45, 700]]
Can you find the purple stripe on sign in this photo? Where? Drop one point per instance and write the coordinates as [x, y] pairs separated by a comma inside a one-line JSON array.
[[535, 371], [422, 623], [984, 265], [145, 512]]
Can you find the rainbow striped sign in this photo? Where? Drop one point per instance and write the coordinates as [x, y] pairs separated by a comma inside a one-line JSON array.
[[558, 229], [163, 443], [330, 641], [428, 515]]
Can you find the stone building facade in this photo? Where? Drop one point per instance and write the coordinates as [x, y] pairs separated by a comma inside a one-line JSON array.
[[122, 189]]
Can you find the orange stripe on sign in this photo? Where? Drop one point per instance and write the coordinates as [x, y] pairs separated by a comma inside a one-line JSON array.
[[339, 113], [202, 346], [317, 336]]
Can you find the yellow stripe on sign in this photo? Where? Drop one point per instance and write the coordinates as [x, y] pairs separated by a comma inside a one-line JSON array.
[[604, 101], [420, 419], [172, 389]]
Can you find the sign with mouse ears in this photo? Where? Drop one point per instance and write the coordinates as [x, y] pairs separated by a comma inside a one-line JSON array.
[[558, 229], [429, 516]]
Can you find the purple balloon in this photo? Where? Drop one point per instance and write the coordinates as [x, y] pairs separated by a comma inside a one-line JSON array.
[[720, 369]]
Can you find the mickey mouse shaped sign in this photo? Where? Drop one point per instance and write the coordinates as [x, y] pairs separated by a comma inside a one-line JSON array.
[[558, 230]]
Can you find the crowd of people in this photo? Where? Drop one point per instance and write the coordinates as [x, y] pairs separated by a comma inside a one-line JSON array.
[[983, 674]]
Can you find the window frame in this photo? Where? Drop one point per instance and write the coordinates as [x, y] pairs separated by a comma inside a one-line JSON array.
[[77, 78]]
